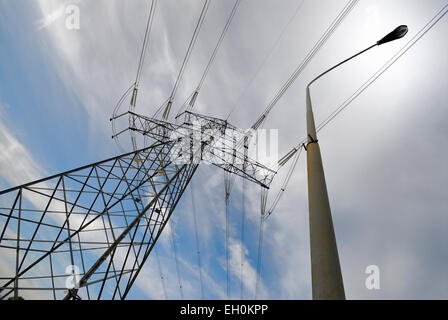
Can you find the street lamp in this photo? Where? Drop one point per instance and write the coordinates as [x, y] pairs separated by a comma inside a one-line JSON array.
[[325, 268]]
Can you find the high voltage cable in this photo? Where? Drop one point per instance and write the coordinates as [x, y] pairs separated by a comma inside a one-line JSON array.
[[186, 58], [161, 273], [318, 45], [285, 183], [179, 278], [218, 45], [215, 51], [198, 251], [134, 86], [263, 195], [243, 213], [243, 217], [348, 7], [265, 59], [334, 25], [386, 66], [227, 187], [439, 15], [260, 248], [193, 96], [145, 45], [115, 115], [298, 149]]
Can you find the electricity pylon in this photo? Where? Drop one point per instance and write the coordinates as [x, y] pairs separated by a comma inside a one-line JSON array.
[[86, 233]]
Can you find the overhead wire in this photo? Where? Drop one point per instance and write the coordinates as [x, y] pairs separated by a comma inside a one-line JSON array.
[[243, 218], [215, 51], [318, 45], [139, 70], [348, 7], [323, 39], [186, 58], [263, 198], [227, 187], [296, 151], [285, 183], [143, 52], [198, 251], [386, 66], [162, 279], [134, 86], [181, 107], [428, 26], [259, 254], [341, 16], [265, 59], [115, 115], [179, 278]]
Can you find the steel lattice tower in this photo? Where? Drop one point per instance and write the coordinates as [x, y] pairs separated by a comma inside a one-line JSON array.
[[105, 218]]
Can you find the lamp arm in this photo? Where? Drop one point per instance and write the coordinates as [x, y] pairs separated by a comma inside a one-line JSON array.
[[340, 63], [311, 127]]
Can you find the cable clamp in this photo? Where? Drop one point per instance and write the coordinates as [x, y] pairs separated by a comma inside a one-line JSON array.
[[311, 140]]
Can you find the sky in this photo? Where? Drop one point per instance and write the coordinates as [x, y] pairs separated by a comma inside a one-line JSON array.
[[384, 156]]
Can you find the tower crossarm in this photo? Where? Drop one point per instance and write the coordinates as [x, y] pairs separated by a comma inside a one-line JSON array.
[[216, 139]]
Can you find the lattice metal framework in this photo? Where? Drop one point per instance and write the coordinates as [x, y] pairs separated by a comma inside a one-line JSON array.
[[105, 218], [221, 143]]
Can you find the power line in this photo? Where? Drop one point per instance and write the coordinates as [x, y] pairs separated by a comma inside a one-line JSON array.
[[179, 278], [145, 44], [134, 86], [334, 25], [265, 59], [264, 194], [295, 152], [115, 115], [215, 51], [327, 34], [186, 58], [227, 186], [260, 248], [162, 279], [285, 183], [198, 251], [243, 218], [386, 66], [431, 23]]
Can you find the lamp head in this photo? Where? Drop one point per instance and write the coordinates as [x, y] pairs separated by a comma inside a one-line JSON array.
[[398, 33]]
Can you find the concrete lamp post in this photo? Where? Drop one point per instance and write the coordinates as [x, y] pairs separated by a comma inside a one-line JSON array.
[[325, 267]]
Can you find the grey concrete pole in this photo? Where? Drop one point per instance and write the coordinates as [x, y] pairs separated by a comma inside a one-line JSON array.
[[325, 267], [326, 276]]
